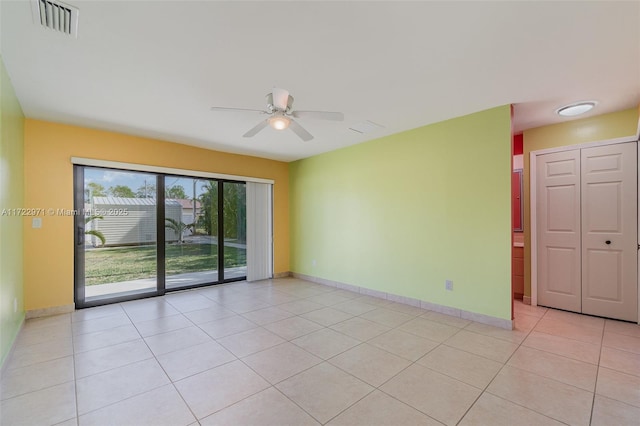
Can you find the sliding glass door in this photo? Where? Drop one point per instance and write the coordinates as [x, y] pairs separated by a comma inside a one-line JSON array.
[[116, 233], [234, 229], [141, 234], [191, 238]]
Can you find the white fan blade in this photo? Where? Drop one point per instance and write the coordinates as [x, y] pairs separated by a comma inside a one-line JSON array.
[[300, 131], [237, 109], [319, 115], [280, 98], [254, 131]]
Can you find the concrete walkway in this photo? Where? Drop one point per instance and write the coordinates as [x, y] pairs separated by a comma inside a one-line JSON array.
[[171, 282], [208, 239]]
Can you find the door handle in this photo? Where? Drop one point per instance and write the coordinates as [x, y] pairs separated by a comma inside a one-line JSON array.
[[80, 236], [607, 242]]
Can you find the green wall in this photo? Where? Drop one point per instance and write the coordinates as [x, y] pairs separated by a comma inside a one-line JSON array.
[[403, 213], [11, 196]]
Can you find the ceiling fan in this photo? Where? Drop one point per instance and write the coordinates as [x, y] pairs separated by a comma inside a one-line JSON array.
[[279, 109]]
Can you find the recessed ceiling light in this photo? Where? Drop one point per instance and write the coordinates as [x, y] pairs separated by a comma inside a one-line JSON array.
[[576, 109]]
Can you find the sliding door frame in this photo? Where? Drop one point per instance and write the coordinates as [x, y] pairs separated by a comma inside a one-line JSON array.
[[79, 250], [160, 175], [78, 237], [221, 230]]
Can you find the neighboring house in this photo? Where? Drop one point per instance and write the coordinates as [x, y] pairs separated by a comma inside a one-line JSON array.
[[188, 214], [131, 221]]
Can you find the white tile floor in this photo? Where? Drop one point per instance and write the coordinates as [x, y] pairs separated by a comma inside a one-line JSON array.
[[290, 352]]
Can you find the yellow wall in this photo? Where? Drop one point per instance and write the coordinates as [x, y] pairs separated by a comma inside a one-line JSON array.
[[49, 184], [11, 197], [592, 129]]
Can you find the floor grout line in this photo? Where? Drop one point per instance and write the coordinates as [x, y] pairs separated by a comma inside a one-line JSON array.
[[504, 364], [595, 385], [397, 327], [162, 367]]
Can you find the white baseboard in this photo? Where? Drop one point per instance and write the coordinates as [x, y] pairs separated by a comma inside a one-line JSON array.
[[53, 310], [285, 274], [447, 310]]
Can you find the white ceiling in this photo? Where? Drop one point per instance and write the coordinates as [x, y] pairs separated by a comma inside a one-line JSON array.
[[154, 68]]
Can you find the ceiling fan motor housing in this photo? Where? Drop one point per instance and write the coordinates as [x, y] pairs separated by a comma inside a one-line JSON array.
[[271, 108]]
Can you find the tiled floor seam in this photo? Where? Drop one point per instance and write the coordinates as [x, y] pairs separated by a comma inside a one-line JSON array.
[[173, 383], [199, 372], [519, 405], [286, 378], [439, 343], [379, 387], [226, 406], [595, 385], [118, 402], [296, 404], [366, 395], [38, 390], [346, 372], [404, 403], [557, 354], [553, 353], [564, 337], [161, 367], [273, 385], [504, 364], [75, 374], [36, 363], [519, 345], [626, 336], [412, 362], [550, 378]]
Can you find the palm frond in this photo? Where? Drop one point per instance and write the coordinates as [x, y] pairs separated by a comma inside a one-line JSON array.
[[174, 224], [178, 226], [97, 234], [93, 217]]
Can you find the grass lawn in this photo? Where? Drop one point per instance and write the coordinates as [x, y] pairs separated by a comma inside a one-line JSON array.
[[115, 264]]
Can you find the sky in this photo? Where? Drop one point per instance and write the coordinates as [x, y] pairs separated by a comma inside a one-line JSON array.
[[135, 180]]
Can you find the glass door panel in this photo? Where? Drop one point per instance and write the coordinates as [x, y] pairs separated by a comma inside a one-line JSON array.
[[116, 234], [128, 246], [235, 230], [191, 232]]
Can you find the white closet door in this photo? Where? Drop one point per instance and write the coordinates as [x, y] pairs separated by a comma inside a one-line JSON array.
[[609, 229], [558, 234], [259, 231]]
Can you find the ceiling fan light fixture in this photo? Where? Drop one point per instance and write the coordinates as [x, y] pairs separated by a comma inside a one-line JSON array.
[[576, 109], [279, 122], [279, 115]]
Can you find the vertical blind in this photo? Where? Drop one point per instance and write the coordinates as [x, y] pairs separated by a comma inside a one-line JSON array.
[[259, 231]]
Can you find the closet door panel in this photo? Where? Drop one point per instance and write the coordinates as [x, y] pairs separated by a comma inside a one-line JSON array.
[[558, 216], [609, 231]]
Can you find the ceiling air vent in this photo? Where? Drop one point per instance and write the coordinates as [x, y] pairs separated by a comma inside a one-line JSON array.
[[56, 16], [366, 127]]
